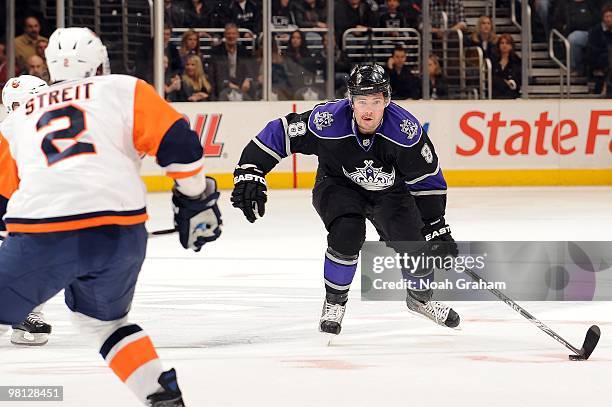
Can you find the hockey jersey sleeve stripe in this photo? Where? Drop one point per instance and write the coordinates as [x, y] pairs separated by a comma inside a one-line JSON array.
[[285, 130], [432, 192], [9, 179], [180, 168], [183, 174], [421, 178], [274, 137], [432, 182], [153, 118], [268, 150]]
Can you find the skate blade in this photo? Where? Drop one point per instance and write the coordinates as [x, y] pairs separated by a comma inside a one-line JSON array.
[[327, 338], [418, 314], [23, 338]]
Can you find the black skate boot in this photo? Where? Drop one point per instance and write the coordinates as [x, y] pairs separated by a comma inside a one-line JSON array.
[[169, 395], [421, 303], [333, 312], [34, 331]]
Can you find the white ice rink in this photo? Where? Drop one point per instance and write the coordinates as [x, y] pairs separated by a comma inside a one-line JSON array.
[[239, 320]]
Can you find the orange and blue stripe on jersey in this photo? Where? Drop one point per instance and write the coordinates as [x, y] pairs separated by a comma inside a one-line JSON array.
[[161, 131], [75, 222]]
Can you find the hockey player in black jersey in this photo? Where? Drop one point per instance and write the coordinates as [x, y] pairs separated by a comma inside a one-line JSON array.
[[375, 162]]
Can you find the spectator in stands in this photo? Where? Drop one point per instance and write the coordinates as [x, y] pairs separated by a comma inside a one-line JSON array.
[[352, 14], [144, 57], [3, 65], [41, 46], [412, 11], [175, 63], [281, 87], [172, 82], [507, 70], [190, 45], [599, 47], [301, 66], [195, 86], [298, 51], [37, 67], [574, 18], [283, 15], [220, 13], [197, 14], [232, 66], [174, 14], [541, 21], [404, 85], [454, 11], [342, 67], [310, 13], [25, 44], [484, 37], [438, 89], [393, 18], [246, 14]]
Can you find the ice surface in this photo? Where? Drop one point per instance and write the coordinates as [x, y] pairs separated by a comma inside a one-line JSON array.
[[239, 320]]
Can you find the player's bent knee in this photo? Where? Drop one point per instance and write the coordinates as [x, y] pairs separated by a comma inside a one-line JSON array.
[[347, 234]]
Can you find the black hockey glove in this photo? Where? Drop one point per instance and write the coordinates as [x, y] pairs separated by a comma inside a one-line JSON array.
[[438, 230], [197, 219], [250, 192]]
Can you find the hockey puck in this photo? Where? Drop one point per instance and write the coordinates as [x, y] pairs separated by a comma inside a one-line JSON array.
[[576, 357]]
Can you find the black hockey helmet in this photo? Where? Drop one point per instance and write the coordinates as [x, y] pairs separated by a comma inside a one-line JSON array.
[[367, 79]]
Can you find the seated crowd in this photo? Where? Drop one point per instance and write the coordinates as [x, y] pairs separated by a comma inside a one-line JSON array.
[[229, 66]]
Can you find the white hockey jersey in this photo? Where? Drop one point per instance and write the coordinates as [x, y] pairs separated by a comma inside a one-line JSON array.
[[70, 156]]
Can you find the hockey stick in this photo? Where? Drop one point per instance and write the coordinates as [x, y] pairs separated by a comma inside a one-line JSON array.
[[158, 233], [590, 341]]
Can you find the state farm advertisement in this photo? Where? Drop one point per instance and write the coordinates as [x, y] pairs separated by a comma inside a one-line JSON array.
[[468, 135], [520, 134]]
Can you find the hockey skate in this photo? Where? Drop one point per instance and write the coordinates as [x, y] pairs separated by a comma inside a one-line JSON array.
[[169, 395], [332, 314], [34, 331], [440, 313]]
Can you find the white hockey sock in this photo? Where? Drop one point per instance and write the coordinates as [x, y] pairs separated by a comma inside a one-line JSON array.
[[127, 350], [130, 353]]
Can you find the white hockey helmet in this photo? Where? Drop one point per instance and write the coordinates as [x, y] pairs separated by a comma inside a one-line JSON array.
[[74, 53], [18, 90]]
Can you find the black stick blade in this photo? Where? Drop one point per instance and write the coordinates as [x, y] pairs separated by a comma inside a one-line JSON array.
[[590, 341]]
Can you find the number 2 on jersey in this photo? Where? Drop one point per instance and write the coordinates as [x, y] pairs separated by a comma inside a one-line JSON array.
[[77, 126]]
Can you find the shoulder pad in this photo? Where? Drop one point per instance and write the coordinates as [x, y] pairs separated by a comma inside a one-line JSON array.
[[332, 119], [400, 127]]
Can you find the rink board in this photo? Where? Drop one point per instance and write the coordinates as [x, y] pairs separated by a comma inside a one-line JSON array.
[[479, 143]]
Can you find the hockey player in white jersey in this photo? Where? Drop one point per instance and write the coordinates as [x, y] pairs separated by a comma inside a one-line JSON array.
[[33, 331], [70, 161]]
